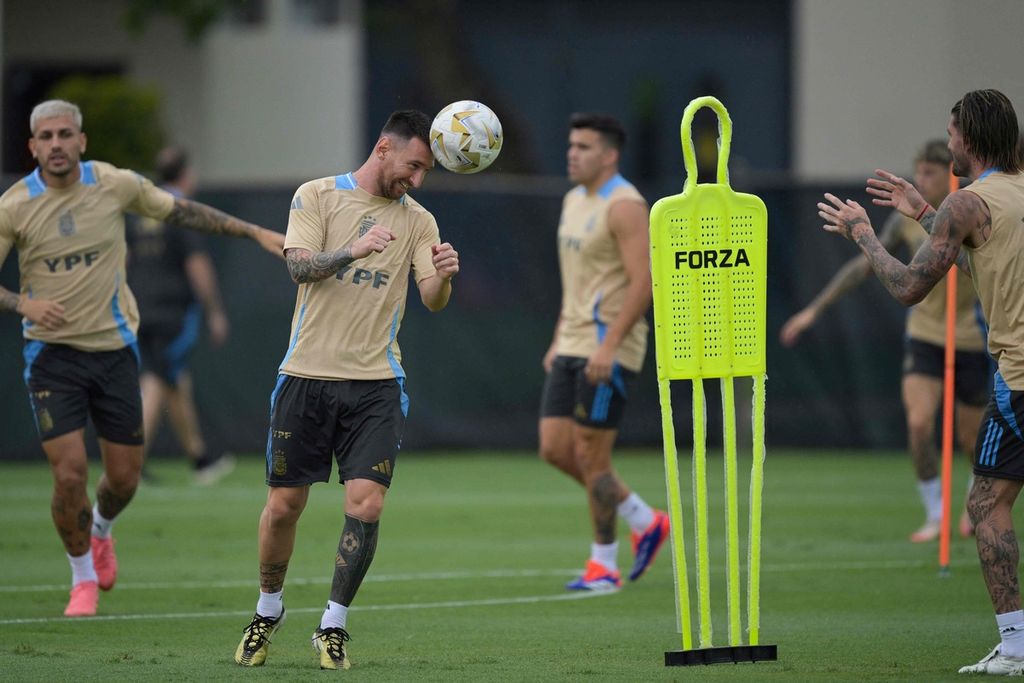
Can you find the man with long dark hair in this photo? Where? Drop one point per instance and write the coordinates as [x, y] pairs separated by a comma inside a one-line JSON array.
[[980, 228]]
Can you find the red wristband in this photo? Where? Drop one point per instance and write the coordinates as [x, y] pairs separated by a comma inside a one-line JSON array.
[[920, 215]]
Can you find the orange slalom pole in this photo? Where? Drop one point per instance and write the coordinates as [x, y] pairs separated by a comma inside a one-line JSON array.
[[948, 398]]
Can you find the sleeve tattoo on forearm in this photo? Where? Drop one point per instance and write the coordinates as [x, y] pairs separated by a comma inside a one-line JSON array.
[[307, 267], [207, 219]]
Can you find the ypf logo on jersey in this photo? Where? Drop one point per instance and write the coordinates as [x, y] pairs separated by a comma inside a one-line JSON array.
[[365, 224]]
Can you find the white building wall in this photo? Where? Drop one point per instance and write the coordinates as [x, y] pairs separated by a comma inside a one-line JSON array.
[[875, 78], [283, 102], [277, 103]]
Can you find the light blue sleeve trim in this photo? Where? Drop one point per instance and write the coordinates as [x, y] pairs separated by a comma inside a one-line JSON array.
[[615, 182], [345, 182], [35, 183], [396, 367], [88, 173], [122, 325], [295, 335]]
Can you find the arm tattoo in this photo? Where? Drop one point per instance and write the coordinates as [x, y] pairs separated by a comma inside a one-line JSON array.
[[208, 219], [928, 220], [964, 263], [909, 284], [305, 266], [849, 225], [272, 576], [8, 300]]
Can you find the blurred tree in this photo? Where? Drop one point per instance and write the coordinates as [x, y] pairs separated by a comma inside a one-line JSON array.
[[196, 16], [121, 119]]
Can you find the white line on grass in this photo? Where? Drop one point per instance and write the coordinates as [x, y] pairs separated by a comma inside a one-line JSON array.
[[523, 600], [859, 565], [316, 581]]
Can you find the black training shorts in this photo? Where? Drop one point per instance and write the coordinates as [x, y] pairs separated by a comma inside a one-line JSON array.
[[567, 393], [65, 385], [165, 348], [972, 369], [313, 422], [999, 450]]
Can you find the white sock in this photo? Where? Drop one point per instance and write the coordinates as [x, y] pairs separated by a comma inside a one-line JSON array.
[[82, 569], [1011, 631], [931, 498], [334, 616], [270, 604], [636, 512], [605, 554], [100, 524]]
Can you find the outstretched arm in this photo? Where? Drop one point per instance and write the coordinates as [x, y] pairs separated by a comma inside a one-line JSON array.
[[198, 216], [893, 191], [959, 214], [307, 266], [846, 279]]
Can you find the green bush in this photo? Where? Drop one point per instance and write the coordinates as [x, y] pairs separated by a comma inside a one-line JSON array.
[[122, 119]]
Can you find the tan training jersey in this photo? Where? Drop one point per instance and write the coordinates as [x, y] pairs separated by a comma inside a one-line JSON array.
[[71, 250], [997, 267], [346, 326], [926, 321], [594, 279]]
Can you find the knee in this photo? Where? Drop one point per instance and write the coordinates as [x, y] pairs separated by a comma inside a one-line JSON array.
[[366, 507], [553, 456], [981, 504], [975, 510], [284, 509], [589, 455], [920, 429], [124, 480], [70, 478]]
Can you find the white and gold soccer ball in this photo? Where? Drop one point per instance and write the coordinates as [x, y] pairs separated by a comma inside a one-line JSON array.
[[466, 137]]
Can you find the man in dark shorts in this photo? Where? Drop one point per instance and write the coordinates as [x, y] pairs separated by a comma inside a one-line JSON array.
[[980, 229], [66, 221], [175, 284], [353, 241], [925, 344], [599, 345]]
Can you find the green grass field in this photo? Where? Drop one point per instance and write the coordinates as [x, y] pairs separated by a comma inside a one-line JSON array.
[[467, 581]]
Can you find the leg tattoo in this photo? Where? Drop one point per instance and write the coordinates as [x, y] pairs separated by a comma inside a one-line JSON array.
[[604, 496], [111, 504], [355, 553], [272, 576], [997, 545], [73, 527]]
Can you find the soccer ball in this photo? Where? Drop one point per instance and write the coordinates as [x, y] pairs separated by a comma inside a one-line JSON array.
[[465, 137]]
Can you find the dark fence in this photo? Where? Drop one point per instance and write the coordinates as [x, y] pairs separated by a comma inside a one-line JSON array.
[[474, 369]]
